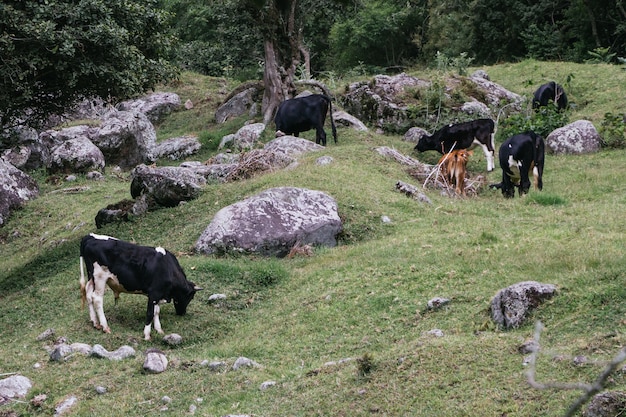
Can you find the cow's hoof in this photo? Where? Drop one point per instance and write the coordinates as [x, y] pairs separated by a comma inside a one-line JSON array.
[[97, 326], [106, 330]]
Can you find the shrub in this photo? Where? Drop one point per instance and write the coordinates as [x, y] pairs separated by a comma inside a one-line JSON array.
[[613, 130], [541, 121]]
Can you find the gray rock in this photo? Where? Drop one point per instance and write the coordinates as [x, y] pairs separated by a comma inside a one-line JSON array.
[[248, 136], [75, 155], [61, 352], [16, 188], [15, 386], [240, 104], [173, 339], [267, 384], [324, 160], [177, 148], [245, 362], [272, 223], [346, 119], [155, 362], [126, 139], [291, 147], [580, 137], [47, 334], [155, 106], [414, 134], [437, 302], [511, 305], [606, 404], [168, 186], [123, 352], [65, 405]]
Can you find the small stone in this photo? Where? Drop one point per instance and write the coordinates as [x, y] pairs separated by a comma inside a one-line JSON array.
[[435, 332], [47, 334], [267, 384], [173, 339], [437, 302], [101, 390]]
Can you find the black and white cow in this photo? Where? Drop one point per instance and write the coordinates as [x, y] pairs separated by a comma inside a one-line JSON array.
[[462, 136], [305, 113], [550, 93], [519, 156], [129, 268]]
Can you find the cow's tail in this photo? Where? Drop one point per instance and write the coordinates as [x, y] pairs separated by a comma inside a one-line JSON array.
[[83, 290], [332, 122]]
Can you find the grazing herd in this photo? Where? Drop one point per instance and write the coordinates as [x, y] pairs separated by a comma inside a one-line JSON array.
[[154, 272]]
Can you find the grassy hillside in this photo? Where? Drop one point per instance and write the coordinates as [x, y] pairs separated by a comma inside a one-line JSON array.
[[364, 300]]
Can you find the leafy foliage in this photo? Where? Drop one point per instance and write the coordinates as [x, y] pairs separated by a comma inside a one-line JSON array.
[[378, 35], [541, 121], [613, 130], [53, 52]]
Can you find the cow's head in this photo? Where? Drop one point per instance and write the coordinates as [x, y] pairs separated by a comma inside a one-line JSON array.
[[184, 297], [427, 143]]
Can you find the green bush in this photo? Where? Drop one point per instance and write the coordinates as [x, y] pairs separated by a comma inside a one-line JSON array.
[[541, 121], [613, 131]]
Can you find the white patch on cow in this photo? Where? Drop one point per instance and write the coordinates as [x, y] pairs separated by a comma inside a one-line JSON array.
[[155, 320], [536, 177], [488, 154], [95, 296], [514, 166], [160, 250], [102, 237]]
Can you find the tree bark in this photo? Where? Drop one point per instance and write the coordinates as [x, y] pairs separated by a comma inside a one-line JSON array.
[[594, 26]]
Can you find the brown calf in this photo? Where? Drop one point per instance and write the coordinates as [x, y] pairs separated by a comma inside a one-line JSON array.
[[452, 165]]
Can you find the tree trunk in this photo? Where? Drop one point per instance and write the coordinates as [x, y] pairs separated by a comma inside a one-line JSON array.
[[282, 51], [594, 27]]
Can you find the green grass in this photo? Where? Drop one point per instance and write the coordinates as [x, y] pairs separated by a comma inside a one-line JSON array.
[[365, 298]]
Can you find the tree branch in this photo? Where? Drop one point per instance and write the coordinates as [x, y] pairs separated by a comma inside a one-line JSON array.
[[589, 390]]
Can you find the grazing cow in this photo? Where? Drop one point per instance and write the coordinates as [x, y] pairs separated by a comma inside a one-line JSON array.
[[519, 156], [453, 166], [550, 93], [134, 269], [305, 113], [462, 136]]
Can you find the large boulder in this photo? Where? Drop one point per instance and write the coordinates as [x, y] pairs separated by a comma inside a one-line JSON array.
[[155, 106], [606, 404], [245, 138], [494, 94], [76, 155], [24, 150], [168, 186], [580, 137], [177, 148], [291, 147], [272, 223], [511, 305], [15, 188], [377, 102], [126, 139], [242, 103]]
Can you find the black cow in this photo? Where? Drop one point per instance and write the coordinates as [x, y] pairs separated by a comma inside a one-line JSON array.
[[519, 156], [550, 93], [462, 136], [129, 268], [305, 113]]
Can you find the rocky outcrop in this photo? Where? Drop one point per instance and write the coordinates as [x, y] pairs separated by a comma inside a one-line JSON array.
[[512, 305], [272, 223], [16, 188], [580, 137]]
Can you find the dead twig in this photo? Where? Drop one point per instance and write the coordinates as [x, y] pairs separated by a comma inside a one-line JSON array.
[[589, 390]]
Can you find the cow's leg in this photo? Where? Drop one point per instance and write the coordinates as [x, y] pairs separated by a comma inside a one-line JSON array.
[[524, 183], [320, 136], [155, 319], [100, 277], [89, 297], [151, 312], [489, 153]]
